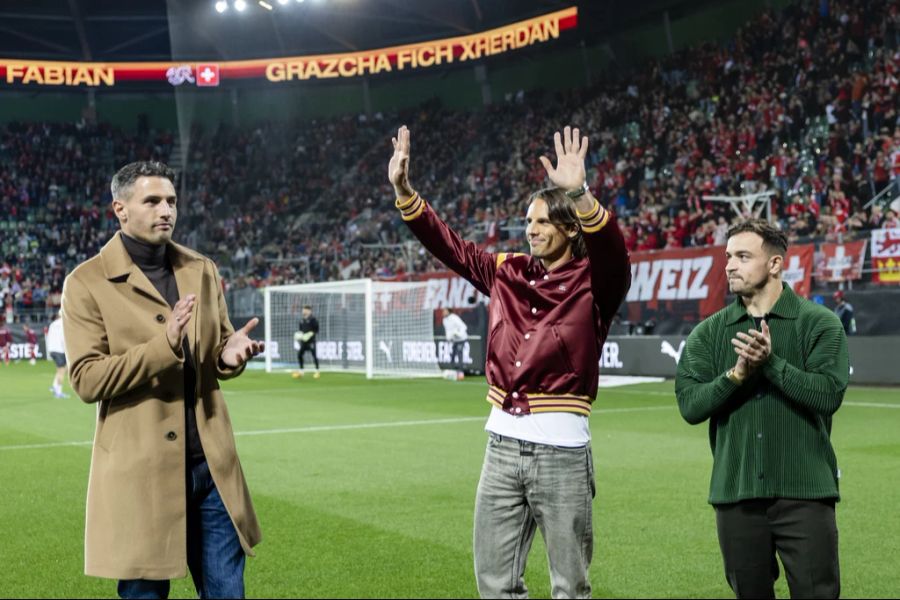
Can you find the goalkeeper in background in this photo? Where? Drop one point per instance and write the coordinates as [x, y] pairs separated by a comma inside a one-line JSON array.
[[306, 336]]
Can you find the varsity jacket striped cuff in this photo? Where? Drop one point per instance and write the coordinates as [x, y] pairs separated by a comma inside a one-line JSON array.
[[410, 208], [593, 220]]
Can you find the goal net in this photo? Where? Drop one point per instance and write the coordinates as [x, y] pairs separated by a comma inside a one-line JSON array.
[[374, 327]]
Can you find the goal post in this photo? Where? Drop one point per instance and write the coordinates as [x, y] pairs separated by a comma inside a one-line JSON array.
[[379, 328]]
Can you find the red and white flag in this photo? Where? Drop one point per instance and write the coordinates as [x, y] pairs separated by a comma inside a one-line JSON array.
[[798, 267], [207, 75], [841, 262]]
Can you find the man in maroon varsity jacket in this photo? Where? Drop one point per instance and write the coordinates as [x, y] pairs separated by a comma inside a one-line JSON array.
[[549, 315]]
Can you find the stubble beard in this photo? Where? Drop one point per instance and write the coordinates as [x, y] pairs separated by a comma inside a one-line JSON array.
[[747, 289]]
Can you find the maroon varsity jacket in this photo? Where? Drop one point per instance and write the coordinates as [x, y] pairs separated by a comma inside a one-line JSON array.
[[546, 328]]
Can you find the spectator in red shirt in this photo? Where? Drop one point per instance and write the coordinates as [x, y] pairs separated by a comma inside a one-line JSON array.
[[840, 206], [891, 221]]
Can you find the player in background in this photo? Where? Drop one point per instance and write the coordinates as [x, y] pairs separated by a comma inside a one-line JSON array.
[[56, 351], [306, 337]]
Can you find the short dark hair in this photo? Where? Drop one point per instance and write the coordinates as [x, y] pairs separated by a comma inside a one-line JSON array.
[[774, 240], [561, 212], [307, 306], [124, 179]]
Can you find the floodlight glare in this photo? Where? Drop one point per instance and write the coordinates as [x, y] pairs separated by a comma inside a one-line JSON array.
[[240, 5], [221, 6], [283, 2], [265, 5]]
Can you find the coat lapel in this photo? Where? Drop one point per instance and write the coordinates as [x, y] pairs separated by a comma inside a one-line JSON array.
[[117, 264], [189, 278]]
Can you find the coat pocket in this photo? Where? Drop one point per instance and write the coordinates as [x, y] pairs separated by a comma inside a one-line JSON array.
[[107, 426], [113, 416], [564, 357]]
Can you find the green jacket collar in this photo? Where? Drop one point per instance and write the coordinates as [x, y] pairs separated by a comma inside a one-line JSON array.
[[786, 307]]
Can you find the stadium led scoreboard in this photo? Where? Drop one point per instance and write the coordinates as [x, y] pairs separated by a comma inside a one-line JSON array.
[[422, 55]]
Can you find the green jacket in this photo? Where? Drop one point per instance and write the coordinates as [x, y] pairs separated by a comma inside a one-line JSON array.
[[770, 436]]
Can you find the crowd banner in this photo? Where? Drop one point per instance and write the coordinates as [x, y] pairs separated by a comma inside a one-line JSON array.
[[798, 268], [886, 256], [840, 262], [688, 283], [683, 283]]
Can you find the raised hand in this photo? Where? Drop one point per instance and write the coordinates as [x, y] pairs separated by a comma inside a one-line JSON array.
[[181, 316], [240, 348], [571, 149], [398, 168]]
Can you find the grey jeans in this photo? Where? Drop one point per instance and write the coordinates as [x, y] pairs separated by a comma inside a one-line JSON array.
[[524, 486]]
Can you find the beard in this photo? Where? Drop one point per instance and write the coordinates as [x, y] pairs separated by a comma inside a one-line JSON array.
[[745, 287]]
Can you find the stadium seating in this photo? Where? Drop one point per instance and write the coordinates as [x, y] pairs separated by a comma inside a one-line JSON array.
[[799, 102]]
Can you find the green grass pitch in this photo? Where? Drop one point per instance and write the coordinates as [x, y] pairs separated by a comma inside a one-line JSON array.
[[366, 489]]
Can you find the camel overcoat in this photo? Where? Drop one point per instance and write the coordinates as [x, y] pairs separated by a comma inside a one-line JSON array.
[[114, 322]]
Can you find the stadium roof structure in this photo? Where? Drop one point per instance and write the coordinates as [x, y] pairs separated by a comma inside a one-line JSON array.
[[117, 31]]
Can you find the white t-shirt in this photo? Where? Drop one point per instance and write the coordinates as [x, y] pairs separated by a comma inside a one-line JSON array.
[[55, 340], [455, 328], [551, 428]]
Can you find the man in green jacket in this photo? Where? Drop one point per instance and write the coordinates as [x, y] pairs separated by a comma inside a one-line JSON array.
[[768, 372]]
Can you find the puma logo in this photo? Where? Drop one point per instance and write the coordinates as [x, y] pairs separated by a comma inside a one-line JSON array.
[[667, 349], [386, 348]]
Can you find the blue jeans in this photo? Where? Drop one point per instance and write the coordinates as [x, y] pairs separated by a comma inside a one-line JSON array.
[[524, 486], [214, 553]]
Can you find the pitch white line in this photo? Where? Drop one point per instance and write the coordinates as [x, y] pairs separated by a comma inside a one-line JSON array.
[[424, 422], [357, 426], [48, 445], [317, 428]]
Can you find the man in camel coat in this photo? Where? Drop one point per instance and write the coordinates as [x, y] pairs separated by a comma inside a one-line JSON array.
[[148, 338]]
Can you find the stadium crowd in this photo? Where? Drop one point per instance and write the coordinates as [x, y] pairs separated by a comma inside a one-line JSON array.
[[801, 102]]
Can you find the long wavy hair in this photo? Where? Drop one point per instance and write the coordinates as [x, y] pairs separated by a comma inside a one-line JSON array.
[[561, 211]]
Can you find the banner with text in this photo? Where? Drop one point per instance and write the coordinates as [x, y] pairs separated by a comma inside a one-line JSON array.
[[872, 359], [423, 55], [683, 284], [21, 342]]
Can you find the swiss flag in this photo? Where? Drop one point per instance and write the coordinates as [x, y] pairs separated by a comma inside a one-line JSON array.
[[207, 75]]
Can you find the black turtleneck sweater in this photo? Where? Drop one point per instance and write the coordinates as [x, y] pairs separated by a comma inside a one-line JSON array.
[[154, 261]]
